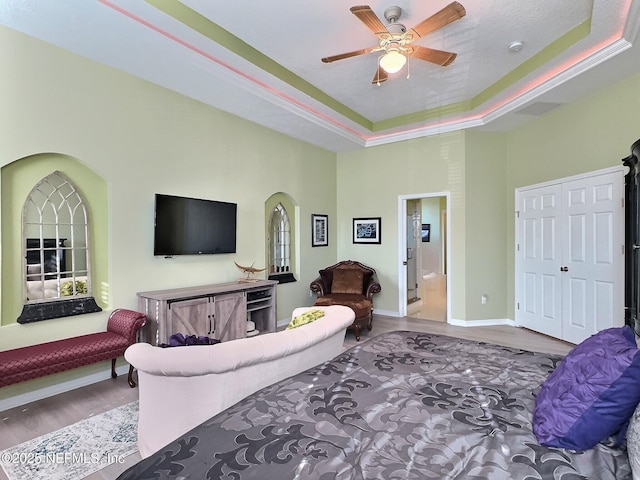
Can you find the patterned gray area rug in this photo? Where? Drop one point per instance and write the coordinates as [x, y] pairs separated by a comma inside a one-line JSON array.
[[76, 451]]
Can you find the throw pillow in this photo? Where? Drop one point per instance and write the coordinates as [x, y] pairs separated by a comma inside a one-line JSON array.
[[347, 281], [592, 393], [307, 317]]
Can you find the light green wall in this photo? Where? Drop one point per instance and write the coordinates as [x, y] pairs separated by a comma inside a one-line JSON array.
[[486, 238], [468, 165], [587, 135], [369, 184], [142, 139]]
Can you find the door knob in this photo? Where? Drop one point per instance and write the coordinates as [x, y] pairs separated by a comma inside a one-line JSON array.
[[564, 269]]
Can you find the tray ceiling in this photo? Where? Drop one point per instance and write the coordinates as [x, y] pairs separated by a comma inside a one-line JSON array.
[[261, 60]]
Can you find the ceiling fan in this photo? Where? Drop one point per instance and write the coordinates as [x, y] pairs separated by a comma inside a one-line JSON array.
[[396, 41]]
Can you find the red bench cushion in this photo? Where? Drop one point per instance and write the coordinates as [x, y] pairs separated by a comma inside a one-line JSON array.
[[35, 361]]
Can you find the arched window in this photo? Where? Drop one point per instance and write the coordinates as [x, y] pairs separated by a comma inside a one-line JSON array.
[[55, 242], [280, 244]]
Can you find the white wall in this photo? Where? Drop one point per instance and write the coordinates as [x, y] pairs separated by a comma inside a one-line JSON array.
[[432, 250]]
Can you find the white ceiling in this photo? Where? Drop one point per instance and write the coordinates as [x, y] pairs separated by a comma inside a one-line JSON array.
[[266, 67]]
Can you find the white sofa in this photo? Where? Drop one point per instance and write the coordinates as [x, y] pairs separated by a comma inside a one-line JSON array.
[[181, 387]]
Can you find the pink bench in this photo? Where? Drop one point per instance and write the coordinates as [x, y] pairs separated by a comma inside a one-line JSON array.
[[34, 361]]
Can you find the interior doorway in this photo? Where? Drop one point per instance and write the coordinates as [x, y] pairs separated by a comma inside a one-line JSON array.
[[423, 256]]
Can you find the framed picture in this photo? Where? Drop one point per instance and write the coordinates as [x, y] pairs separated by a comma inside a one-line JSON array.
[[426, 232], [319, 230], [367, 230]]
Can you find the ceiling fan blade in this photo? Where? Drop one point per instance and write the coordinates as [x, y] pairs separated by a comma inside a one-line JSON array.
[[342, 56], [439, 57], [370, 19], [380, 76], [452, 12]]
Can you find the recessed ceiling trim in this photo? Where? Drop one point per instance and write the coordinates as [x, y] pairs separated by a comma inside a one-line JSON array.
[[204, 26], [219, 35], [518, 100], [419, 132], [528, 93], [538, 60], [261, 89], [214, 32], [449, 118]]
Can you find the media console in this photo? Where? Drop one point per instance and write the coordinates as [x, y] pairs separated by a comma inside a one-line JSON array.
[[219, 310]]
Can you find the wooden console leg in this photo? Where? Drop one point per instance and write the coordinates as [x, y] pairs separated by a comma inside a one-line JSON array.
[[113, 368], [130, 379]]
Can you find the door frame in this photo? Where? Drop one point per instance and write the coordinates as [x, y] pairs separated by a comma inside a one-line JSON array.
[[402, 242]]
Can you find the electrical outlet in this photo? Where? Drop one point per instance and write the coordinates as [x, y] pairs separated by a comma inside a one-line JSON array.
[[483, 299]]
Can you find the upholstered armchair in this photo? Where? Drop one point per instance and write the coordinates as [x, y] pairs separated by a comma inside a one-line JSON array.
[[351, 284]]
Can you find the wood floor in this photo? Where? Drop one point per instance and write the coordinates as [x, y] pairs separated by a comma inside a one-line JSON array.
[[29, 421]]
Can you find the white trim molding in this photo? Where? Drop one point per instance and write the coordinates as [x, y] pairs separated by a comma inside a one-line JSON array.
[[489, 322]]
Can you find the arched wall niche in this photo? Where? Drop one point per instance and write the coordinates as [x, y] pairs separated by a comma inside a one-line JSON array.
[[18, 179], [274, 241]]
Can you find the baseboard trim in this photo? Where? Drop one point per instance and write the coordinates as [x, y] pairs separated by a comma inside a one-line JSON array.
[[482, 323], [50, 391], [386, 313]]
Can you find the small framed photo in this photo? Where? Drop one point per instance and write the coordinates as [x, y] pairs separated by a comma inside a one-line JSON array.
[[426, 232], [319, 230], [367, 230]]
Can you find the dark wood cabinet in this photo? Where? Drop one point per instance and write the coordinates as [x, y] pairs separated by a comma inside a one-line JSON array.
[[632, 238]]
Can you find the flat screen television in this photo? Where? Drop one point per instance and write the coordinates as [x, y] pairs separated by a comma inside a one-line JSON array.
[[191, 226]]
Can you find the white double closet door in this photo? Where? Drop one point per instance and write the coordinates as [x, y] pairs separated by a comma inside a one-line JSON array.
[[570, 255]]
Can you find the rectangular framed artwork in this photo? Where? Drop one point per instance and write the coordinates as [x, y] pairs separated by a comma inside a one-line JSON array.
[[319, 230], [367, 230], [426, 232]]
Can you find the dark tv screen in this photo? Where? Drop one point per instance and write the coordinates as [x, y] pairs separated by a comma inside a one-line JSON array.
[[191, 226]]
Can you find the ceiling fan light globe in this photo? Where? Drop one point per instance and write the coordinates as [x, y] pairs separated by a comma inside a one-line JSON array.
[[392, 61]]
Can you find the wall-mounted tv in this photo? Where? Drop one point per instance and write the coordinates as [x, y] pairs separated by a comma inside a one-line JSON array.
[[191, 226]]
